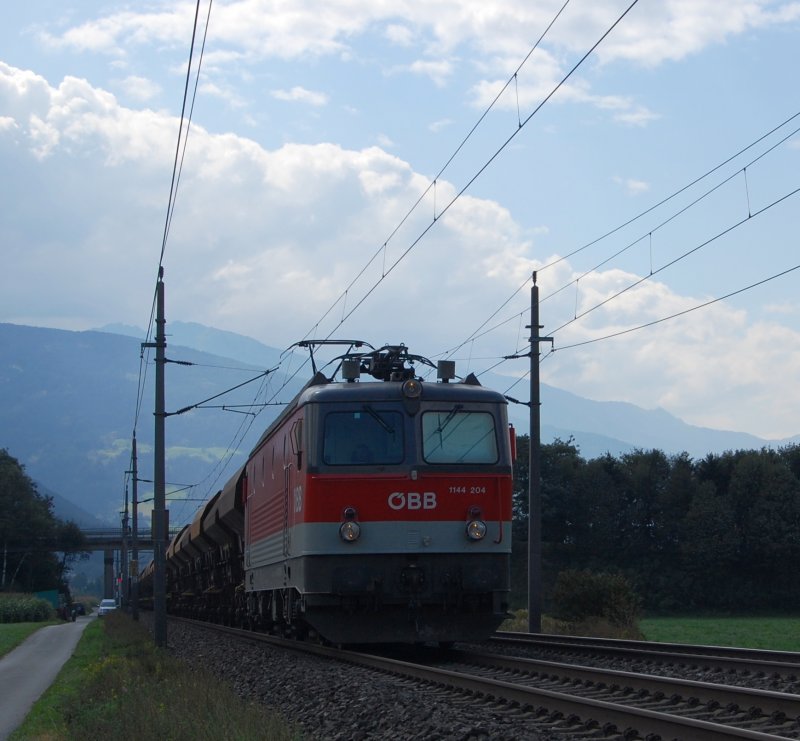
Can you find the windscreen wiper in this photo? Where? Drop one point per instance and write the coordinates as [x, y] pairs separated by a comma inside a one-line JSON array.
[[380, 420], [449, 418]]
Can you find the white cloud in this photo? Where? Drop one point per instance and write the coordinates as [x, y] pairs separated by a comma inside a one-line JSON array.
[[785, 309], [634, 114], [537, 78], [707, 366], [16, 86], [140, 89], [650, 34], [440, 125], [44, 136], [399, 34], [439, 71], [540, 78], [676, 29], [303, 219], [113, 33], [226, 94], [300, 94], [495, 36], [632, 186]]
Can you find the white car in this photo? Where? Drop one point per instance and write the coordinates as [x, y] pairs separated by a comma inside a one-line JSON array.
[[106, 605]]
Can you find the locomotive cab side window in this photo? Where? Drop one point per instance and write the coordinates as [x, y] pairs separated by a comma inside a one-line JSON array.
[[297, 442], [458, 436], [362, 438]]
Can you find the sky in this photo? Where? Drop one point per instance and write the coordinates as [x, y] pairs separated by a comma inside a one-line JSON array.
[[395, 172]]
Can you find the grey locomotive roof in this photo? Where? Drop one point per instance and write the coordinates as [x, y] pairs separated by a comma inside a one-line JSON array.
[[319, 389], [376, 391]]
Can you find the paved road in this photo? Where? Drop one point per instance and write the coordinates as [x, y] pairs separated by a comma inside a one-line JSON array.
[[29, 669]]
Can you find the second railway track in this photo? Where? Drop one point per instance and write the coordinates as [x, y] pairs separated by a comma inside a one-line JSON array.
[[783, 666]]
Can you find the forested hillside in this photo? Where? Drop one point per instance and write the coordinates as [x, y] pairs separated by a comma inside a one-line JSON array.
[[721, 532]]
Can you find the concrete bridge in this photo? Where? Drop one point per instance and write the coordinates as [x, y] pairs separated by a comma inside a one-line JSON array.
[[100, 539], [110, 540]]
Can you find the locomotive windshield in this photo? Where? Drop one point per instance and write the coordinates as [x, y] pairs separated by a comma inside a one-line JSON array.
[[366, 437], [458, 437]]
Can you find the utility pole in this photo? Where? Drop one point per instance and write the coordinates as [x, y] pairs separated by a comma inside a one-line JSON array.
[[159, 477], [135, 544], [123, 566], [535, 473]]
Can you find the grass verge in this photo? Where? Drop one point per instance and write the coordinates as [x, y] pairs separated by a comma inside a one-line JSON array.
[[775, 633], [118, 685], [772, 633]]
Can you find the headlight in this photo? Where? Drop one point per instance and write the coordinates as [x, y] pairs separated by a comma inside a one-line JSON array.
[[349, 531], [412, 389], [476, 529]]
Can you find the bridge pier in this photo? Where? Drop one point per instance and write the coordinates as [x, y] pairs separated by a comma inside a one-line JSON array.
[[108, 574]]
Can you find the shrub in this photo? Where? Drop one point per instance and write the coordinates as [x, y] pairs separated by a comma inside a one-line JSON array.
[[24, 608], [518, 623], [581, 595], [597, 627]]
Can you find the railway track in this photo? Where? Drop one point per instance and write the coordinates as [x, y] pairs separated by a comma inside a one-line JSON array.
[[571, 701], [722, 659]]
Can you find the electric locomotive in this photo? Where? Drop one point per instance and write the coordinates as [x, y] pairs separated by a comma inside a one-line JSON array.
[[381, 511]]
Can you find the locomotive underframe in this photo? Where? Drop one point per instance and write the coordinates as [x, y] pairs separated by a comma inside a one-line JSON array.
[[389, 598]]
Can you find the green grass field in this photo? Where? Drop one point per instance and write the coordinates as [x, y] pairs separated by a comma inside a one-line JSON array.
[[776, 633]]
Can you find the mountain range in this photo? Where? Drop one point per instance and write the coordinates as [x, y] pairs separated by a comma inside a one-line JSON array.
[[70, 401]]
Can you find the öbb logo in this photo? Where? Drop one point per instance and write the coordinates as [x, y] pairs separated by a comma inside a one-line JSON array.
[[412, 500]]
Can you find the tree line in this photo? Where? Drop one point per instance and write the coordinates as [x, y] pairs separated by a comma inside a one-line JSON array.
[[37, 548], [719, 533]]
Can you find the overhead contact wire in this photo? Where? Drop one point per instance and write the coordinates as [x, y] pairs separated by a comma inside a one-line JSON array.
[[481, 170], [678, 259], [174, 182], [432, 184], [664, 267], [681, 313], [476, 334]]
